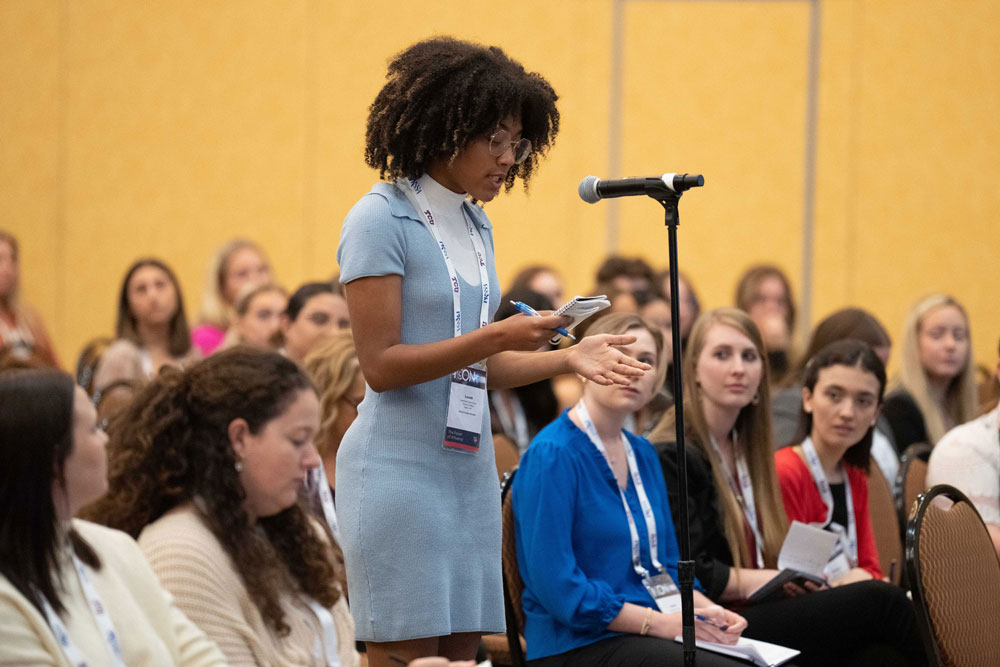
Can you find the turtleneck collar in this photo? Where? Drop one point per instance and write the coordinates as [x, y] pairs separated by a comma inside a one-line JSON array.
[[440, 197]]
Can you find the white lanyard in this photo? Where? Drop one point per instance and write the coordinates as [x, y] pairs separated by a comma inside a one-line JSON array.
[[647, 509], [823, 486], [744, 494], [317, 484], [329, 631], [477, 243], [512, 418], [146, 362], [71, 650]]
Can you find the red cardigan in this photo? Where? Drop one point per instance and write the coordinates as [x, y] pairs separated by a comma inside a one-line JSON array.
[[803, 502]]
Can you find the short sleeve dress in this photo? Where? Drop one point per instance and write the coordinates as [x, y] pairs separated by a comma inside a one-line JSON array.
[[420, 525]]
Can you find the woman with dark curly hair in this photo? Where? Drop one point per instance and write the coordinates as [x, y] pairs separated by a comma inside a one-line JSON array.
[[417, 492], [72, 592], [206, 468]]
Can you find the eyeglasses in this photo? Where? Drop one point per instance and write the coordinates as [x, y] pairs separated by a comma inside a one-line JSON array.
[[500, 143]]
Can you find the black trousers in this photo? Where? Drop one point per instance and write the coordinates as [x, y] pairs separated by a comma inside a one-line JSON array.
[[633, 651], [867, 623]]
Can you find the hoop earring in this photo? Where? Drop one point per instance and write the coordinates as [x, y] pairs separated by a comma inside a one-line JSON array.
[[756, 398]]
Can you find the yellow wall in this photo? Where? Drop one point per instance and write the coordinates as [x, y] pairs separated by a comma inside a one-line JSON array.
[[135, 128]]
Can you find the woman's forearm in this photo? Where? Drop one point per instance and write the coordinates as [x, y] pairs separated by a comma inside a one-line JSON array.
[[515, 369]]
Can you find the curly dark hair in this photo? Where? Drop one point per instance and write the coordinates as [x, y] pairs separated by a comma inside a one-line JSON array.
[[172, 446], [441, 94]]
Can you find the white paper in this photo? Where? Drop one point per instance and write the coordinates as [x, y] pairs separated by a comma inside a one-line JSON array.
[[759, 652], [806, 548]]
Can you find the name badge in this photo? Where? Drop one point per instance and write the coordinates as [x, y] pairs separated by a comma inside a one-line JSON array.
[[838, 565], [663, 589], [466, 407]]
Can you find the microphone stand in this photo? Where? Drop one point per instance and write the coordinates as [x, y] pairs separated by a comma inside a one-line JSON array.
[[685, 566]]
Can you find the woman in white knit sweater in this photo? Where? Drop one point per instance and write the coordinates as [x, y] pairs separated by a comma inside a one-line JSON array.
[[206, 469], [72, 592]]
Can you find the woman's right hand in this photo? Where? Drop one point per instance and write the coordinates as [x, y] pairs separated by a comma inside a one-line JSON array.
[[670, 626], [526, 333]]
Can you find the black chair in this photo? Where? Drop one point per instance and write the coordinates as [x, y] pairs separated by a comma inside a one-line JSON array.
[[955, 579]]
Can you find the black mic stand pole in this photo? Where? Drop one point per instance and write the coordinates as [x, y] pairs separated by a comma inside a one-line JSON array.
[[685, 566]]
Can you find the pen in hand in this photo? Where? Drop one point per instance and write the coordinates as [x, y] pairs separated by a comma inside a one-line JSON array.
[[525, 309], [706, 619]]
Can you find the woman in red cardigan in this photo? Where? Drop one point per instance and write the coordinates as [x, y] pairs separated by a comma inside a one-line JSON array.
[[823, 478]]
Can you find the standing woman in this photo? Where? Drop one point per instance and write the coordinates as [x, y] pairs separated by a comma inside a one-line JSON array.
[[65, 583], [824, 478], [936, 387], [151, 330], [22, 333], [417, 491]]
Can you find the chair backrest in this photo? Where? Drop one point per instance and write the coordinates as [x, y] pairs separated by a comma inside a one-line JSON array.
[[513, 585], [955, 578], [912, 479], [885, 525], [505, 453]]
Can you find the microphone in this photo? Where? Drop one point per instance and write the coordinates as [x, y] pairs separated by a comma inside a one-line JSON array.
[[593, 188]]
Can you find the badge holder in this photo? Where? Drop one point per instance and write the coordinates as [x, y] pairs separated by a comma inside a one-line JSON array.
[[466, 408]]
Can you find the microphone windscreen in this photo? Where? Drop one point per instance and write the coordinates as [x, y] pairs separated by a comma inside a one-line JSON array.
[[588, 189]]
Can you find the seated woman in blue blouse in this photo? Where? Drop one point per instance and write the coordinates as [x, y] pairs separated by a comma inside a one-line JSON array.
[[581, 497]]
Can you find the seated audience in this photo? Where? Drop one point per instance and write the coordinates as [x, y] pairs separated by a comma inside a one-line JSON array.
[[689, 308], [520, 413], [824, 477], [237, 263], [968, 458], [151, 330], [73, 592], [22, 333], [540, 279], [313, 310], [625, 274], [585, 598], [765, 294], [334, 369], [786, 404], [738, 521], [935, 389], [206, 469], [257, 316]]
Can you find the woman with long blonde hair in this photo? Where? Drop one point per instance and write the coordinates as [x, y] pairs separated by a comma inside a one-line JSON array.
[[935, 389], [334, 369], [738, 521]]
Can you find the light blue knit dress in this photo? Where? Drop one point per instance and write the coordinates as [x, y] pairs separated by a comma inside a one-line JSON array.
[[420, 525]]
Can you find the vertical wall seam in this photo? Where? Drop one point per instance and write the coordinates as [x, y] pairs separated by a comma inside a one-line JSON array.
[[310, 168], [809, 169], [60, 226], [615, 132], [855, 117]]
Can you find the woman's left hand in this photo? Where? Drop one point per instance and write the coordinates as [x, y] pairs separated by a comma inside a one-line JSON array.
[[597, 358], [853, 575]]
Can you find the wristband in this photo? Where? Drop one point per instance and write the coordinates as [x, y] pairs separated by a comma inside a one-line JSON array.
[[647, 621]]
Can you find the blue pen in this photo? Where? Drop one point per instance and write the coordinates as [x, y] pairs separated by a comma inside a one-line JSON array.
[[706, 619], [525, 309]]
